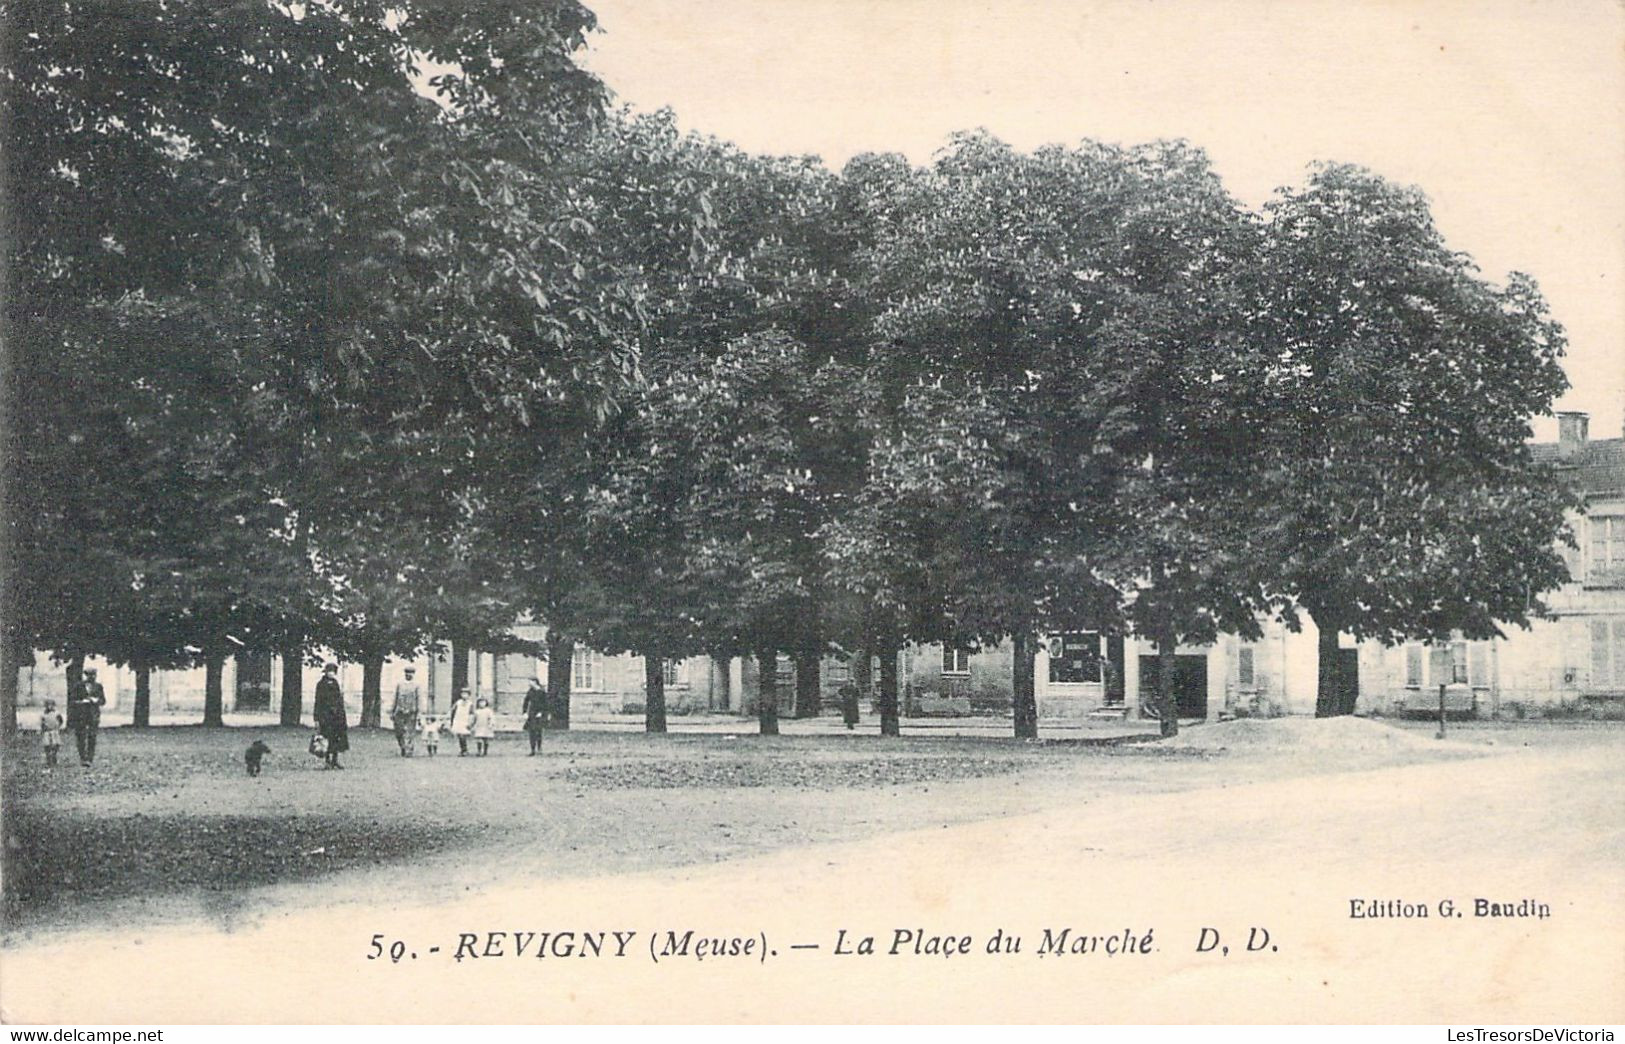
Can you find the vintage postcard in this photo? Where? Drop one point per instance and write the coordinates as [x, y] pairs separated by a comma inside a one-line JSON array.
[[821, 511]]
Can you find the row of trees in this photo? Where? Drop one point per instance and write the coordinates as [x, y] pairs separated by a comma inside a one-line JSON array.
[[300, 357]]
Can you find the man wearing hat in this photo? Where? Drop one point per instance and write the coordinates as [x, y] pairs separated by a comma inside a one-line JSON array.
[[85, 705], [404, 713]]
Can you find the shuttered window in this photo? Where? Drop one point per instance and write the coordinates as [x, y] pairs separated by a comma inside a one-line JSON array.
[[1605, 557], [1413, 666], [1608, 655]]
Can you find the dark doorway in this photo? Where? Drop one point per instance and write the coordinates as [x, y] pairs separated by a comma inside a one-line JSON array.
[[1190, 684], [253, 682], [1114, 670]]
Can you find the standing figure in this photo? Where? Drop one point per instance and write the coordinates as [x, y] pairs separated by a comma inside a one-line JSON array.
[[535, 715], [85, 705], [331, 720], [50, 733], [462, 717], [484, 726], [431, 734], [404, 713], [849, 705]]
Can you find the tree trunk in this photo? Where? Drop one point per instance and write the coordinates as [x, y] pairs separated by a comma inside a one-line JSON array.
[[1167, 674], [459, 667], [809, 682], [10, 664], [1024, 689], [890, 725], [293, 682], [74, 672], [141, 715], [654, 692], [1331, 700], [560, 663], [767, 691], [214, 665], [372, 691]]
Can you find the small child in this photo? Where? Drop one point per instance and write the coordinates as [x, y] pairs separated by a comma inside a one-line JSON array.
[[50, 733], [430, 728], [461, 713], [485, 726]]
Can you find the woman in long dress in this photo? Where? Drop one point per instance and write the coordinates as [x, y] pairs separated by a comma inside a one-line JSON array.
[[331, 721]]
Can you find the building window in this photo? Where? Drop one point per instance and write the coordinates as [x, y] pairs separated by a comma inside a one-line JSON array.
[[1413, 666], [955, 660], [1458, 663], [1244, 667], [586, 669], [1608, 654], [784, 672], [674, 672], [1479, 656], [1075, 658], [840, 671], [1606, 557]]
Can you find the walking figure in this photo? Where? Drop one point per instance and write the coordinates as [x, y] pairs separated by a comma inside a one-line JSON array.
[[431, 734], [404, 712], [85, 705]]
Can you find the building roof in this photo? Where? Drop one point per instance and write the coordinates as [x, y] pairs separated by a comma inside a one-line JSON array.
[[1597, 467]]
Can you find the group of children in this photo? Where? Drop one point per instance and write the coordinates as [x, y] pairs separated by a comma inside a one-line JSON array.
[[464, 720]]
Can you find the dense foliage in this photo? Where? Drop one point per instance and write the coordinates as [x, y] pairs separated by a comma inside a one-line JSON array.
[[307, 348]]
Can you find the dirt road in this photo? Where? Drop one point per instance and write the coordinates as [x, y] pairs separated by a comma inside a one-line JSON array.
[[1283, 857]]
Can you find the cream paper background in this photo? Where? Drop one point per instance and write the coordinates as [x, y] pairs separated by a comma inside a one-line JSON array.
[[1511, 116]]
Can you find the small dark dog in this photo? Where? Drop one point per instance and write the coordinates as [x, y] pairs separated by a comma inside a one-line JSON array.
[[252, 756]]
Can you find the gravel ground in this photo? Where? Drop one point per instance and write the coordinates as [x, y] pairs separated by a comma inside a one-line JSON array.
[[168, 826]]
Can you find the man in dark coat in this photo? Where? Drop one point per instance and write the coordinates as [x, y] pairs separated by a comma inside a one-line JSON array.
[[535, 714], [331, 720], [85, 705]]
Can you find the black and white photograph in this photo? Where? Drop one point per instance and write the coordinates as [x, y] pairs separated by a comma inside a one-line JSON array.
[[812, 512]]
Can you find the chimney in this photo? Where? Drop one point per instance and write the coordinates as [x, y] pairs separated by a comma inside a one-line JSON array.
[[1571, 433]]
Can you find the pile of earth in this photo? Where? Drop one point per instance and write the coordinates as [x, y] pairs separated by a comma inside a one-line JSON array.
[[1302, 733]]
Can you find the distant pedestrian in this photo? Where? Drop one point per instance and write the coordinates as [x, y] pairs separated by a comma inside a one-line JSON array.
[[849, 705], [535, 715], [484, 726], [431, 734], [50, 732], [331, 720], [85, 705], [462, 718], [404, 712]]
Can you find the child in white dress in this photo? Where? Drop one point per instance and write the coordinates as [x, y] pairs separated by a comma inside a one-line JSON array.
[[485, 726], [50, 733]]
